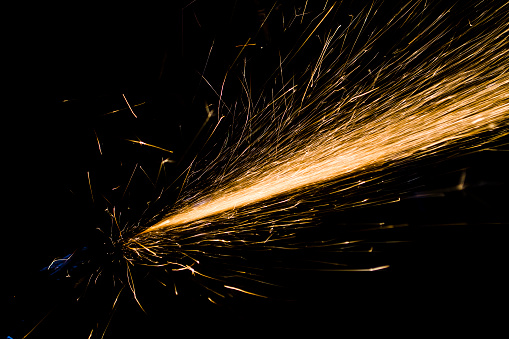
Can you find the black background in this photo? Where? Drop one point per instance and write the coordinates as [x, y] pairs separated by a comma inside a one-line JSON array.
[[69, 66]]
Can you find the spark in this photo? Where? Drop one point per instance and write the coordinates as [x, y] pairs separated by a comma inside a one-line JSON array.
[[112, 312], [131, 178], [333, 137], [142, 143], [38, 323], [127, 102], [245, 45], [90, 186], [148, 177], [244, 291], [123, 109], [303, 12], [131, 286], [98, 143], [371, 269]]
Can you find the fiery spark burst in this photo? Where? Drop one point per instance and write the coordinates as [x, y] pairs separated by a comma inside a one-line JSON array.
[[316, 137], [252, 215]]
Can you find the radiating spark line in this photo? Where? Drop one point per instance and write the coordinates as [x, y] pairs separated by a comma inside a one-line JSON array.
[[123, 109], [303, 12], [113, 216], [98, 143], [185, 178], [148, 177], [245, 45], [129, 182], [371, 269], [38, 323], [212, 301], [142, 143], [127, 102], [313, 31], [244, 291], [131, 286], [113, 308], [204, 68], [90, 186], [161, 167]]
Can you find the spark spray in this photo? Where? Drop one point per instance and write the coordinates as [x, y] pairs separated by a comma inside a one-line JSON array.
[[335, 136], [432, 95]]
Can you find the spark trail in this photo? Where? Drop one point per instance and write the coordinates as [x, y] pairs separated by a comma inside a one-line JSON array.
[[437, 91]]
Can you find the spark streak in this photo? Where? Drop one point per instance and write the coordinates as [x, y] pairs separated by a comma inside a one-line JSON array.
[[90, 186], [127, 102], [142, 143], [244, 291]]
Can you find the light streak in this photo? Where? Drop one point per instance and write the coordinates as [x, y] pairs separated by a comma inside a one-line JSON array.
[[129, 182], [38, 323], [244, 291], [142, 143], [122, 109], [90, 186], [113, 308], [127, 102], [98, 143]]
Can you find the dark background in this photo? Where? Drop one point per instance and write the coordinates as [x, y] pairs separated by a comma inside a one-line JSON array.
[[68, 67]]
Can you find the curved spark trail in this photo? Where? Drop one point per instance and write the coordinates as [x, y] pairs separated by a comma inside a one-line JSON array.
[[428, 97]]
